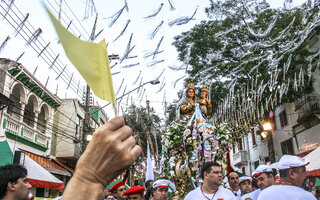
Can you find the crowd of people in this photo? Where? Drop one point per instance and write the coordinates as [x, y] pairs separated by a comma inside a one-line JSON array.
[[113, 149]]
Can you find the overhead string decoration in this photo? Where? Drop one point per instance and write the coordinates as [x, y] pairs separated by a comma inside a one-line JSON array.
[[157, 48], [149, 54], [19, 28], [34, 36], [116, 16], [137, 78], [183, 20], [172, 8], [153, 63], [128, 49], [155, 13], [131, 65], [4, 43], [123, 30], [19, 57], [153, 34]]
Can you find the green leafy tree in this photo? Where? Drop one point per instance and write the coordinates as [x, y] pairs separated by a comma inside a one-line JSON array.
[[136, 124], [248, 50]]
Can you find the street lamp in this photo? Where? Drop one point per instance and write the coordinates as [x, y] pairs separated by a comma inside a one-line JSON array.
[[267, 126], [89, 137]]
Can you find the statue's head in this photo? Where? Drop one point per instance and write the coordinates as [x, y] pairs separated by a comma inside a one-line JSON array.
[[190, 93], [204, 91]]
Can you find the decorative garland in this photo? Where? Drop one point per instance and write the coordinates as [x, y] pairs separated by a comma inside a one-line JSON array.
[[188, 146]]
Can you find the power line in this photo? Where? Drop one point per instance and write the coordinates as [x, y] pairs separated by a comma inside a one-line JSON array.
[[50, 61]]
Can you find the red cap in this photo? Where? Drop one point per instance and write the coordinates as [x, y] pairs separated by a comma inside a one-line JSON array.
[[115, 186], [134, 190]]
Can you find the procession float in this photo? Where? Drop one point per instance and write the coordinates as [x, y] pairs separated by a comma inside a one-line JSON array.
[[192, 140]]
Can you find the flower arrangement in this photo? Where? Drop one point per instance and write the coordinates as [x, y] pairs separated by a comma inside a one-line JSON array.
[[188, 147]]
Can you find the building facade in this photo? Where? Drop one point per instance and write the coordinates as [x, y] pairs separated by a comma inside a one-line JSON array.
[[295, 129]]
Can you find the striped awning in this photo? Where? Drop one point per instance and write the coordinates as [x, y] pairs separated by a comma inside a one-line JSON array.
[[48, 164]]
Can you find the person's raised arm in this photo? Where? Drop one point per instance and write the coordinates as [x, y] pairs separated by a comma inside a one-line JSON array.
[[111, 150]]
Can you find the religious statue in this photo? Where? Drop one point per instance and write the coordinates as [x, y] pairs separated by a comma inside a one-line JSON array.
[[186, 106], [205, 105]]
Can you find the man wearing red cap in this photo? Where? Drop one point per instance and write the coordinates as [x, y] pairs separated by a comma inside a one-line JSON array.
[[135, 193], [292, 170], [160, 189], [118, 190], [211, 188]]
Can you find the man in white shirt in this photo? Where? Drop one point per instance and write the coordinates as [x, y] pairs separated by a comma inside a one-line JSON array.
[[245, 184], [233, 180], [211, 189], [265, 178], [293, 173]]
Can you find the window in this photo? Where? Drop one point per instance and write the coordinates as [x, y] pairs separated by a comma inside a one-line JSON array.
[[240, 145], [233, 148], [256, 164], [287, 147], [283, 118], [267, 160], [78, 125], [253, 137], [314, 106], [243, 169]]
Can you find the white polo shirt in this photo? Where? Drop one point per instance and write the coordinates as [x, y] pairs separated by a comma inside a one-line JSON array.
[[284, 192], [222, 194], [252, 195]]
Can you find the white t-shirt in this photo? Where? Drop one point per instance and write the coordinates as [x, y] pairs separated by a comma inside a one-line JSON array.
[[252, 195], [222, 194], [284, 192]]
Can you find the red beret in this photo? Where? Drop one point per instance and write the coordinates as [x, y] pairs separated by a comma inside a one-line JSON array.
[[115, 186], [134, 190]]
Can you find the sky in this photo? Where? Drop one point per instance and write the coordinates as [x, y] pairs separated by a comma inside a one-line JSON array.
[[125, 78]]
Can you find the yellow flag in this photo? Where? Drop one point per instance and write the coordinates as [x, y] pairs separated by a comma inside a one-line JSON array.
[[91, 60]]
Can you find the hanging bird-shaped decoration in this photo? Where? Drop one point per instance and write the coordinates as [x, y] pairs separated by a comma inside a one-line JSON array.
[[157, 48], [155, 31], [120, 87], [19, 28], [155, 13], [137, 78], [172, 8], [131, 65], [34, 36], [116, 16], [4, 43], [182, 20], [153, 63], [123, 30]]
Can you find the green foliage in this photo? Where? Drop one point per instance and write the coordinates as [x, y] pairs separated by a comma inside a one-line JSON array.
[[136, 126], [229, 51]]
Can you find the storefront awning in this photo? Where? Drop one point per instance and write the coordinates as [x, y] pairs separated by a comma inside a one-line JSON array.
[[314, 158], [48, 164], [40, 177], [37, 175]]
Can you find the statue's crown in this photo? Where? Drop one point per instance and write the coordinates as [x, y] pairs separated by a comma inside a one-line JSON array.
[[189, 84], [205, 88]]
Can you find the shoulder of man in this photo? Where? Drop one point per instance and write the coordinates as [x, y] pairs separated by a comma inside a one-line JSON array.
[[252, 195], [226, 193], [192, 194]]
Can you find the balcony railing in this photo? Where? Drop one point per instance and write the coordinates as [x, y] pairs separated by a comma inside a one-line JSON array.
[[240, 158], [307, 105], [25, 133]]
